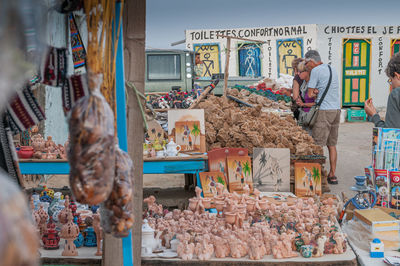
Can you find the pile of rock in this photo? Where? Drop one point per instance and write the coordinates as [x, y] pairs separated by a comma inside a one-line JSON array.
[[228, 125]]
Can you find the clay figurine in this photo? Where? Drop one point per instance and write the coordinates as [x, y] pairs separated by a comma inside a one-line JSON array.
[[69, 232], [51, 238], [319, 249], [99, 233]]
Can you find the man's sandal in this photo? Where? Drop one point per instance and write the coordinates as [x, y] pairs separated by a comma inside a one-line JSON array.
[[332, 180]]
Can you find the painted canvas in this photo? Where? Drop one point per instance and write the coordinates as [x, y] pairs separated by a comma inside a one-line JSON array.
[[271, 169], [217, 158], [307, 179], [239, 173], [187, 128], [209, 182]]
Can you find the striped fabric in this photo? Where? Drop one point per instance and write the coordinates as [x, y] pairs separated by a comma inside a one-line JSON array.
[[54, 67], [74, 88], [24, 111]]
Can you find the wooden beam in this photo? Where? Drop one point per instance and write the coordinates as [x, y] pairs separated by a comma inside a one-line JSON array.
[[228, 54], [134, 45]]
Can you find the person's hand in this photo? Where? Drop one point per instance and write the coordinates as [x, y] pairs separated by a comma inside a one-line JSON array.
[[314, 93], [369, 107], [299, 102]]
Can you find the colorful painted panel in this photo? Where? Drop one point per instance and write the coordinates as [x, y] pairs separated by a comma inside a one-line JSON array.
[[288, 50], [356, 71], [307, 179], [249, 60], [209, 54], [209, 182], [187, 128], [239, 173]]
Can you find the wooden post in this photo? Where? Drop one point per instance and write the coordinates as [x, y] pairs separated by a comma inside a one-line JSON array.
[[134, 18], [228, 54]]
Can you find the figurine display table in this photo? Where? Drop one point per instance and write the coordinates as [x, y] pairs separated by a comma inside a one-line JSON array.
[[347, 258], [193, 164]]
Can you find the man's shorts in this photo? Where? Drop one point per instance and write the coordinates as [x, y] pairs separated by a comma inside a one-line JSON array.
[[326, 128]]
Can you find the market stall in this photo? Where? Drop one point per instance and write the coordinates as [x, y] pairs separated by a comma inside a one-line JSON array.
[[98, 175]]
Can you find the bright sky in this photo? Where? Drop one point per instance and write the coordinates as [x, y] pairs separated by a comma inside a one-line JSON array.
[[166, 20]]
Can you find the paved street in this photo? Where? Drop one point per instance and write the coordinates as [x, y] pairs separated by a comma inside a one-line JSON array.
[[354, 153]]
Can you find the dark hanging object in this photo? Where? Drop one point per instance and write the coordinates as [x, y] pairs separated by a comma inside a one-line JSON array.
[[67, 6]]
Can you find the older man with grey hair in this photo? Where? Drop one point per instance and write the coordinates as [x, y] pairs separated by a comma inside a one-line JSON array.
[[326, 128]]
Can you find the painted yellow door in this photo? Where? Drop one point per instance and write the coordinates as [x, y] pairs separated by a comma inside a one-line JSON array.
[[288, 50], [209, 54], [356, 71]]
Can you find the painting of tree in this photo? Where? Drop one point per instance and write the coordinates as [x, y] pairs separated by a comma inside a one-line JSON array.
[[316, 175], [195, 132], [271, 169]]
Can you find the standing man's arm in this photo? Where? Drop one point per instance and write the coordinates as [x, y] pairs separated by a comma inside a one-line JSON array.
[[313, 84]]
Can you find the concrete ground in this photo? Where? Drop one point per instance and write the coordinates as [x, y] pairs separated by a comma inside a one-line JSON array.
[[354, 153]]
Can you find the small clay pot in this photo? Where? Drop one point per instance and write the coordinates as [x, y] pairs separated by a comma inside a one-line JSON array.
[[206, 203], [219, 205], [25, 152], [250, 205], [230, 217], [219, 198], [263, 205]]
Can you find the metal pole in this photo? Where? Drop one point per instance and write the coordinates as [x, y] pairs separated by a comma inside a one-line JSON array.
[[121, 117]]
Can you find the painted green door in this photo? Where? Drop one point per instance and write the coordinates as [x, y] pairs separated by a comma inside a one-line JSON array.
[[356, 71]]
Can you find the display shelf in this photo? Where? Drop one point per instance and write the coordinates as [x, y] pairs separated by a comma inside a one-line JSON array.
[[347, 258], [85, 257]]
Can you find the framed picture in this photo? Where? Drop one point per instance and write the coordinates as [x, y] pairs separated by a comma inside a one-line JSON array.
[[239, 173], [307, 179], [271, 169], [217, 158], [209, 182], [187, 128]]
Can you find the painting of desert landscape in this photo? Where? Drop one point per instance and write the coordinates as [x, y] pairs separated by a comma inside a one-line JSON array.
[[209, 181], [239, 173], [187, 128], [307, 179]]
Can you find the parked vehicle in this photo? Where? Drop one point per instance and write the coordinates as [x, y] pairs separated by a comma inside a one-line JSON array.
[[172, 69]]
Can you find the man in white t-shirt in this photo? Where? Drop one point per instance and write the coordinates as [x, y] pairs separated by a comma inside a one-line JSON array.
[[326, 128]]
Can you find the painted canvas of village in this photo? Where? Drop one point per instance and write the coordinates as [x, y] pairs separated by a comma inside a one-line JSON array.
[[187, 128], [239, 173], [307, 179]]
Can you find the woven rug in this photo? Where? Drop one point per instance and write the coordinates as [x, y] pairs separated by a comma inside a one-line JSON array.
[[54, 67], [74, 88], [78, 50], [24, 111]]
